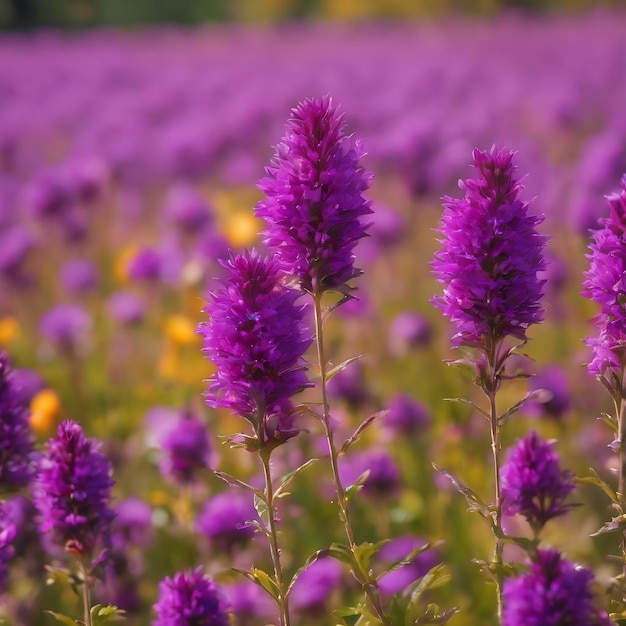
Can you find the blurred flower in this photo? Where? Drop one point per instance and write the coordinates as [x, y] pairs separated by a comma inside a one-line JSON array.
[[242, 229], [27, 384], [409, 330], [16, 439], [79, 276], [186, 209], [558, 400], [133, 523], [533, 483], [9, 327], [314, 205], [66, 326], [146, 264], [383, 478], [180, 330], [490, 257], [249, 603], [314, 586], [256, 337], [7, 551], [72, 491], [44, 408], [189, 599], [605, 284], [15, 244], [350, 385], [555, 591], [125, 307], [185, 446], [406, 417], [225, 521], [397, 550]]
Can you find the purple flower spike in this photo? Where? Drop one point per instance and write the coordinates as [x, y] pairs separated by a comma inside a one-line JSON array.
[[315, 585], [190, 599], [314, 207], [555, 591], [16, 438], [72, 490], [7, 551], [533, 483], [66, 326], [490, 257], [256, 338], [605, 284]]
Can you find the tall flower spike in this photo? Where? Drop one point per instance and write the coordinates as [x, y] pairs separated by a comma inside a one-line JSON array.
[[533, 483], [72, 491], [314, 207], [490, 257], [16, 438], [555, 591], [256, 337], [190, 599], [605, 284]]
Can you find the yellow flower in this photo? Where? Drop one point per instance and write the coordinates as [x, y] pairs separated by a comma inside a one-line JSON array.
[[180, 330], [242, 229], [9, 328], [44, 407], [120, 268]]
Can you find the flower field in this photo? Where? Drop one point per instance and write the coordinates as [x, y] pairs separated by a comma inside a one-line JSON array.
[[261, 350]]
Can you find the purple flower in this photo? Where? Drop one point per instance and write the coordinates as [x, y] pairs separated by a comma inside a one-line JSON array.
[[185, 446], [186, 209], [190, 599], [256, 337], [146, 265], [350, 385], [383, 479], [605, 284], [407, 331], [406, 417], [533, 483], [66, 326], [314, 207], [554, 381], [312, 589], [125, 307], [555, 591], [72, 490], [7, 551], [398, 550], [225, 521], [133, 522], [490, 257], [249, 603], [16, 438], [79, 276]]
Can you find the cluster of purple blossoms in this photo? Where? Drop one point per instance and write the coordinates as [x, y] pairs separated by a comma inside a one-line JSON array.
[[314, 207], [533, 483], [256, 337], [16, 438], [7, 551], [490, 257], [554, 591], [190, 599], [605, 284], [72, 491]]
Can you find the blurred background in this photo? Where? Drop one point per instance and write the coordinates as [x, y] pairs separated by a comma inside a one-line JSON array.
[[25, 14]]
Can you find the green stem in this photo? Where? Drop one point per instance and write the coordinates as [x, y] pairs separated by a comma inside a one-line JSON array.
[[86, 593], [490, 389], [283, 602], [366, 580], [620, 406]]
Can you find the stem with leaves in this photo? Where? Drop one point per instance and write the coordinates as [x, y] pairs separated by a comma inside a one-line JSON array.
[[364, 576], [86, 592]]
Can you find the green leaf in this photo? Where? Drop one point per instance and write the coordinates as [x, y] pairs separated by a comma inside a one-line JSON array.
[[476, 505], [364, 552], [235, 482], [530, 545], [435, 577], [101, 614], [598, 482], [617, 523], [472, 404], [537, 394], [432, 616], [260, 504], [64, 619], [339, 552], [280, 491], [263, 580], [342, 366], [359, 431]]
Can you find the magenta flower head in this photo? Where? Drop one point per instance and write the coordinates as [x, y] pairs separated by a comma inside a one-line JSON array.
[[190, 599], [490, 256], [533, 483], [16, 438], [72, 491], [256, 337], [7, 551], [605, 284], [555, 591], [315, 585], [314, 207]]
